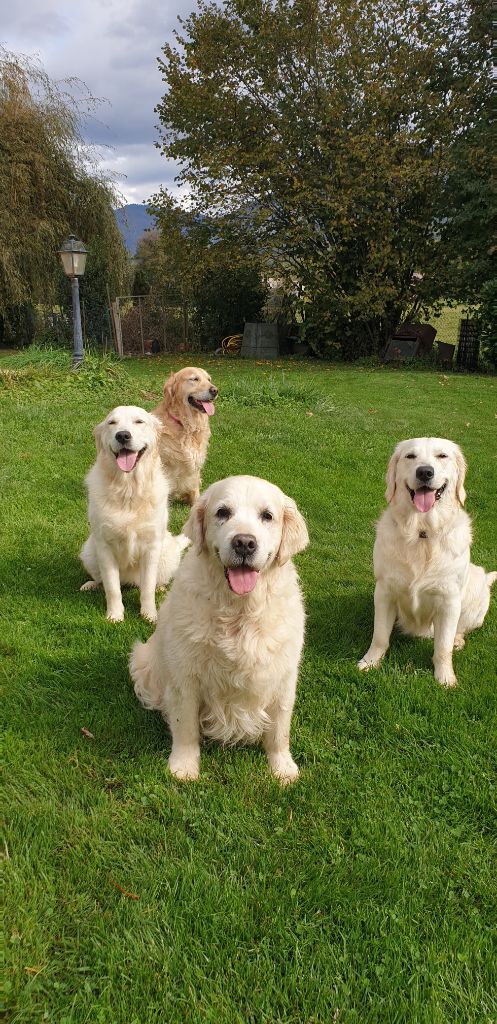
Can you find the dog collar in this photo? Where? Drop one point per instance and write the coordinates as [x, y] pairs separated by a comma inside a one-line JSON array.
[[175, 418]]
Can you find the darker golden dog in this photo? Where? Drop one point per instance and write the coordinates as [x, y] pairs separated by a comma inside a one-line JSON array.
[[184, 412]]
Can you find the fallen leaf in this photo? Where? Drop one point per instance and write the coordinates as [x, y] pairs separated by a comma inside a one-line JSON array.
[[33, 970], [132, 895], [24, 455], [467, 424], [309, 413], [86, 732]]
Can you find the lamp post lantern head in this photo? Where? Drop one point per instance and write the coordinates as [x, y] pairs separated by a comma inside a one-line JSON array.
[[73, 257]]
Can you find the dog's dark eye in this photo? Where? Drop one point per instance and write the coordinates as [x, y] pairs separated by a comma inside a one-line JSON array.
[[139, 421], [112, 423], [411, 456], [223, 513], [193, 379], [267, 516], [442, 456]]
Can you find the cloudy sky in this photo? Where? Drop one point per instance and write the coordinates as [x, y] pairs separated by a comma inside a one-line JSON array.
[[113, 47]]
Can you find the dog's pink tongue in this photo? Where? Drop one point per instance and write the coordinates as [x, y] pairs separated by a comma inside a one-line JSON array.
[[208, 407], [424, 500], [126, 460], [242, 580]]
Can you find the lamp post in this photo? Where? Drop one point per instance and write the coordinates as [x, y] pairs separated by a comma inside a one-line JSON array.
[[73, 257]]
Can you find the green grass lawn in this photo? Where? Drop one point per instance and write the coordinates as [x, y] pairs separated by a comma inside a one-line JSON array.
[[365, 893]]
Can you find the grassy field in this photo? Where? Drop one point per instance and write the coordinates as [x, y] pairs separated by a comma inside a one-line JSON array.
[[364, 894]]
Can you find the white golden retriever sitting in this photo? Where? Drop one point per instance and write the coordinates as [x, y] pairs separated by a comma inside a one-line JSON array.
[[128, 512], [224, 658], [424, 578]]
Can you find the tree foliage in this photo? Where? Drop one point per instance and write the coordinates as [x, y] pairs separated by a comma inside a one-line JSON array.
[[343, 127], [207, 265], [50, 186]]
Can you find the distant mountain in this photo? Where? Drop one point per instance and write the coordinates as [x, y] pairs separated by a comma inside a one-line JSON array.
[[132, 221]]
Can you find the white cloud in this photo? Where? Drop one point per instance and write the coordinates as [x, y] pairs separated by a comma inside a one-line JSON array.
[[113, 47]]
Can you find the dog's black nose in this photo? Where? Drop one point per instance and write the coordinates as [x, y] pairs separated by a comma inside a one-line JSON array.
[[425, 474], [123, 436], [244, 544], [213, 392]]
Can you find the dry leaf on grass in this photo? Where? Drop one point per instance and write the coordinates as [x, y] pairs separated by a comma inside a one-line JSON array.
[[131, 895], [86, 732]]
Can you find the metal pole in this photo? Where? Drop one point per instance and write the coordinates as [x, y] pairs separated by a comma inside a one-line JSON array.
[[78, 351], [141, 325]]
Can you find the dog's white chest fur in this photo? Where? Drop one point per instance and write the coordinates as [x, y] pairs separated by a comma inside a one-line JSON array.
[[421, 571], [236, 655], [128, 522]]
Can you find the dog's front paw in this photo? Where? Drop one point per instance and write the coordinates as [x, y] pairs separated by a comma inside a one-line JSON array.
[[371, 659], [186, 769], [459, 642], [115, 614], [150, 614], [366, 663], [444, 670], [184, 761], [363, 665], [284, 768], [446, 678]]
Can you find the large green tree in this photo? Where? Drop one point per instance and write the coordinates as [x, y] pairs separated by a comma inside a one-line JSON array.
[[207, 265], [50, 186], [339, 125]]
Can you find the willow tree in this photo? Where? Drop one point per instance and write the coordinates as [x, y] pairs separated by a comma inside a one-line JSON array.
[[50, 184], [337, 124]]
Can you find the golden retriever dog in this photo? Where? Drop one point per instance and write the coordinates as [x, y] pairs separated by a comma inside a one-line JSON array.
[[184, 413], [424, 578], [224, 658], [128, 512]]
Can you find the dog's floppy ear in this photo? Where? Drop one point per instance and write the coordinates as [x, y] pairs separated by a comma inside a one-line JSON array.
[[294, 535], [170, 388], [461, 474], [97, 434], [392, 474], [156, 423], [194, 527]]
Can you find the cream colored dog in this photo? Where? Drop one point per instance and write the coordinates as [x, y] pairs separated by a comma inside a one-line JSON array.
[[224, 658], [128, 512], [184, 412], [424, 577]]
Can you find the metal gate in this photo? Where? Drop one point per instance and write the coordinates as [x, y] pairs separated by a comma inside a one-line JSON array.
[[141, 327], [468, 349]]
